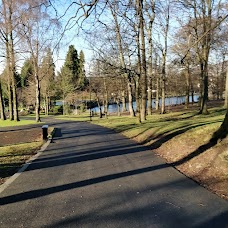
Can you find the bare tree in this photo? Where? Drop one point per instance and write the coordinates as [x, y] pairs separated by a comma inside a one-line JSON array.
[[8, 38], [38, 30], [2, 108], [150, 13], [164, 48], [143, 75], [226, 90], [114, 8]]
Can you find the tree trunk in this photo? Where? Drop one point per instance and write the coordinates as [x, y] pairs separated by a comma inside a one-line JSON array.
[[150, 70], [37, 109], [204, 98], [222, 132], [13, 66], [143, 77], [200, 93], [163, 96], [137, 92], [203, 52], [9, 80], [14, 90], [187, 77], [137, 77], [64, 111], [149, 108], [226, 91], [124, 107], [164, 54], [15, 103], [192, 91], [8, 60], [163, 81], [99, 106], [121, 58], [151, 16], [130, 100], [105, 99], [10, 99], [46, 105], [2, 108], [157, 93], [118, 107]]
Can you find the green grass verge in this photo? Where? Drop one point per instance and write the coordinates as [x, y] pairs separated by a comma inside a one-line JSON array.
[[14, 156], [157, 126], [8, 123]]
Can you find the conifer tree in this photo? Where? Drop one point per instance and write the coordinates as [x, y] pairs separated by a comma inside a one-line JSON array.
[[82, 80], [26, 73], [68, 76], [47, 72]]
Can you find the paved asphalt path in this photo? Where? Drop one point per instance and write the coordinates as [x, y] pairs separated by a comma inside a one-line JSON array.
[[93, 177]]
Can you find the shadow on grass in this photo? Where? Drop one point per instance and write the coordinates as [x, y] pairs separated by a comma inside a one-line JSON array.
[[195, 153], [168, 135], [7, 170]]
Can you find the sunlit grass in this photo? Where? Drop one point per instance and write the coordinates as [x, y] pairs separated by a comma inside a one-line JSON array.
[[19, 149], [158, 125], [14, 156], [8, 123]]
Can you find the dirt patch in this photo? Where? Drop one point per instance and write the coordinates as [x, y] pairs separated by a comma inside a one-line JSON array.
[[20, 136], [209, 167], [18, 143]]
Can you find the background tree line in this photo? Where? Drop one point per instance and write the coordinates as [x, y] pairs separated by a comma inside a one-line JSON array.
[[169, 47], [28, 38]]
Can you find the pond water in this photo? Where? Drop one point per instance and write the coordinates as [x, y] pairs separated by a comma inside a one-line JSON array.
[[168, 101]]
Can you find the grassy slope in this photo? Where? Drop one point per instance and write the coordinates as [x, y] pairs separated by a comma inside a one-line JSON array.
[[176, 136]]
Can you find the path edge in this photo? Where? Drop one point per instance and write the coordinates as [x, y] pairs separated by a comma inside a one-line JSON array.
[[24, 167]]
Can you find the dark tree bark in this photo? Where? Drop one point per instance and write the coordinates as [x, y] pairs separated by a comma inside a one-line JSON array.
[[187, 77], [203, 21], [2, 108], [8, 59], [13, 80], [226, 91], [164, 54], [124, 107], [105, 98], [222, 132], [99, 106], [143, 77], [151, 17]]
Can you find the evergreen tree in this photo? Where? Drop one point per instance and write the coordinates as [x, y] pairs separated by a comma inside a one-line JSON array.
[[68, 75], [47, 72], [71, 65], [26, 73], [72, 75], [82, 80]]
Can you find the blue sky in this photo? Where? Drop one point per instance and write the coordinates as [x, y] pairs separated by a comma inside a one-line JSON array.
[[73, 35]]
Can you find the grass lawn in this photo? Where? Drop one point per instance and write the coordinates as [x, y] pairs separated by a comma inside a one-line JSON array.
[[14, 156], [156, 125], [20, 147], [8, 123]]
